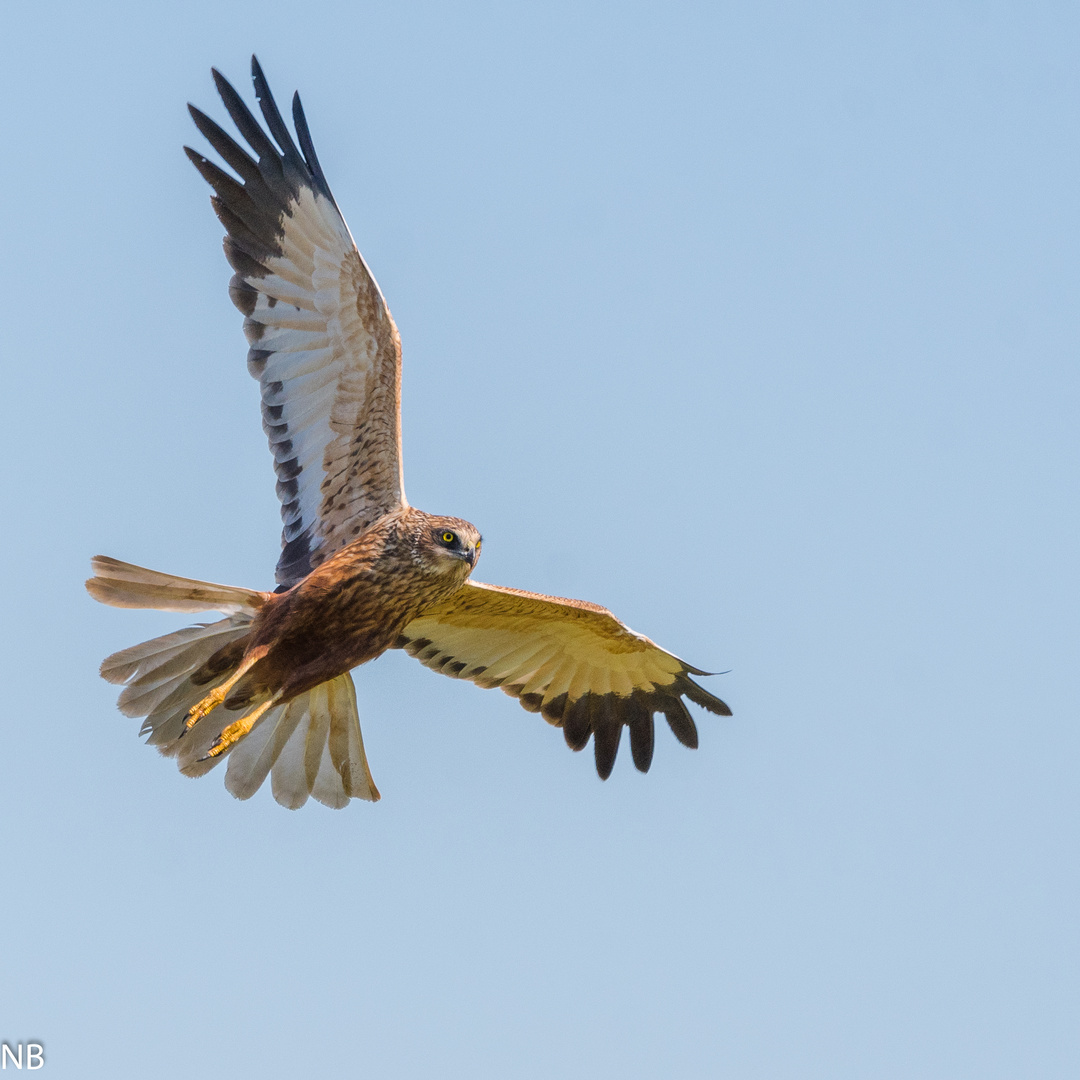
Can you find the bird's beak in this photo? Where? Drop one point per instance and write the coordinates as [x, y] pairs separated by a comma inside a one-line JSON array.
[[474, 554]]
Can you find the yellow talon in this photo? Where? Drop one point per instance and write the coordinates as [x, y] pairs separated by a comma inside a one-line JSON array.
[[206, 706], [236, 731], [218, 695]]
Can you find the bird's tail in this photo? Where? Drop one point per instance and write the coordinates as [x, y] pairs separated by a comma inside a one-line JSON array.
[[122, 584], [309, 745]]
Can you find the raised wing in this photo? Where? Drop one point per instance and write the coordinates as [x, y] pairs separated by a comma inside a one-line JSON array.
[[323, 345], [572, 661]]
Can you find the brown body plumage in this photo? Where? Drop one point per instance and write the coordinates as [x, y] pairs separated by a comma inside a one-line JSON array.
[[352, 607], [268, 686]]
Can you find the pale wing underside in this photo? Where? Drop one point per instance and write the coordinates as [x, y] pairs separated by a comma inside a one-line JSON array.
[[323, 345], [572, 661]]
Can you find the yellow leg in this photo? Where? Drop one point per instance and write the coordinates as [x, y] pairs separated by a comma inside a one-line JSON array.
[[236, 731], [219, 693]]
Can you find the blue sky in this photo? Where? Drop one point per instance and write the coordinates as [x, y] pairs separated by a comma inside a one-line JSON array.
[[756, 323]]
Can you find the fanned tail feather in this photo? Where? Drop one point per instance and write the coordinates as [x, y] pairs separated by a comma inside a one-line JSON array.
[[311, 745], [158, 677], [123, 584]]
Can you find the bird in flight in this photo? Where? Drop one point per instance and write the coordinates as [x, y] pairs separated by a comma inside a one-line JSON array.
[[267, 687]]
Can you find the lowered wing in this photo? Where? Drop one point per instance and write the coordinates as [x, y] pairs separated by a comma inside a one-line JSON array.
[[324, 347], [572, 661]]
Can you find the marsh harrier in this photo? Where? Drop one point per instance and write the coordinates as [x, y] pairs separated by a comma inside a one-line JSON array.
[[361, 571]]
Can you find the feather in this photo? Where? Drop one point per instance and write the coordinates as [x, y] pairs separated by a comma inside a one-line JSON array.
[[317, 732], [346, 744], [251, 759], [288, 777], [125, 585], [138, 662], [158, 673]]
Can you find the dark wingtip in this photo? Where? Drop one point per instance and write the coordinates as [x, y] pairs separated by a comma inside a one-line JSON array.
[[603, 754], [208, 128], [700, 696], [642, 741], [680, 721], [274, 121], [221, 84], [257, 76], [303, 133]]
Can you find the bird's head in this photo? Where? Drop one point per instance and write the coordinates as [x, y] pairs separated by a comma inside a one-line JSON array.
[[448, 545]]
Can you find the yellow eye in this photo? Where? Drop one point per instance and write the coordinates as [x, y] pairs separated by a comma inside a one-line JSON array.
[[448, 537]]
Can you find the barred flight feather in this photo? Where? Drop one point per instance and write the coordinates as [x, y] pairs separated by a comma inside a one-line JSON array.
[[306, 293]]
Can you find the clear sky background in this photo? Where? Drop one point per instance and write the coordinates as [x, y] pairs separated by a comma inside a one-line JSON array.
[[756, 322]]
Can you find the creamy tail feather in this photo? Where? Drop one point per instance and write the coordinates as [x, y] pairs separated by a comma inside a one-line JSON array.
[[123, 584], [310, 746]]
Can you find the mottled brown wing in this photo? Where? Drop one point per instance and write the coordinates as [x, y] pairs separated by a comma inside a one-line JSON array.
[[323, 345], [572, 661]]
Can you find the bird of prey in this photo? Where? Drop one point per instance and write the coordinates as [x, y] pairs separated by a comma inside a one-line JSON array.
[[361, 571]]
